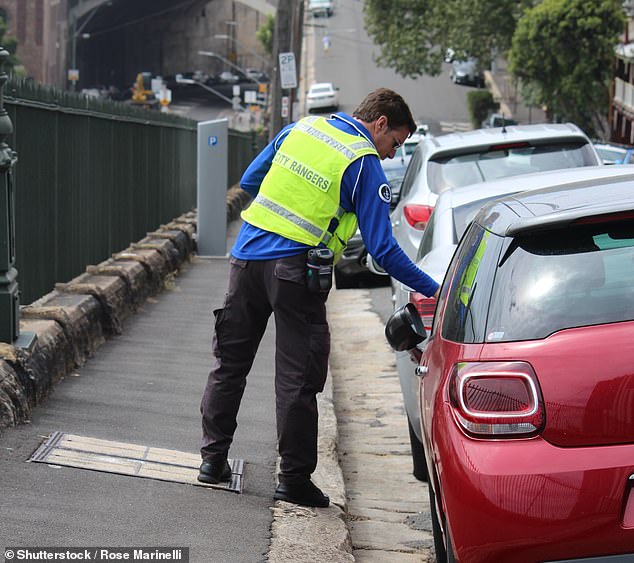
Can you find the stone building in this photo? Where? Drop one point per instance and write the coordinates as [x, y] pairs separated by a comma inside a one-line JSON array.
[[110, 41], [34, 23], [622, 97]]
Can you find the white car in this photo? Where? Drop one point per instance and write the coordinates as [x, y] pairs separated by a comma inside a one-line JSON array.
[[454, 210], [321, 8], [459, 159], [322, 96]]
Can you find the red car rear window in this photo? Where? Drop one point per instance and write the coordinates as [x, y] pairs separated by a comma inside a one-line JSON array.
[[545, 282]]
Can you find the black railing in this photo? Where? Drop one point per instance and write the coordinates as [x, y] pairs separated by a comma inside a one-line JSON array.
[[94, 175]]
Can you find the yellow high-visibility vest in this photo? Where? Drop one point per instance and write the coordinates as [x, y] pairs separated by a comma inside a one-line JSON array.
[[299, 196]]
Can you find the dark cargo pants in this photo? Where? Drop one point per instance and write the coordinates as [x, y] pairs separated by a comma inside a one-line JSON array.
[[257, 289]]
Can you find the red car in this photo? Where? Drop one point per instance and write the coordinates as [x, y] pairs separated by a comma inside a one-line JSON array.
[[527, 380]]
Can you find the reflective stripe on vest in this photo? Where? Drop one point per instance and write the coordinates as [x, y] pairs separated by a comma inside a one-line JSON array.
[[348, 151], [302, 223]]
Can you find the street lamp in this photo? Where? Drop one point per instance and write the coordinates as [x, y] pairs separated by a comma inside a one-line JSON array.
[[228, 62], [181, 80], [261, 86], [78, 34]]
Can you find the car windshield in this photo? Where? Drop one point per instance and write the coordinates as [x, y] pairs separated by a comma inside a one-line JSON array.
[[562, 279], [501, 162]]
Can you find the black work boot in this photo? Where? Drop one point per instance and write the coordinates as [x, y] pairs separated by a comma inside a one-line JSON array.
[[214, 472], [305, 494]]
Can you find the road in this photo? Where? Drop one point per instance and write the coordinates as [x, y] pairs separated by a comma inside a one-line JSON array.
[[349, 64]]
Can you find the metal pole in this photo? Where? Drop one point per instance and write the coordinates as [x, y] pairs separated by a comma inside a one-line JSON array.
[[73, 55], [281, 44], [74, 36], [9, 295]]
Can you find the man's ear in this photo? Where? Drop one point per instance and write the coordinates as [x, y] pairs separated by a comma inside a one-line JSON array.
[[381, 122]]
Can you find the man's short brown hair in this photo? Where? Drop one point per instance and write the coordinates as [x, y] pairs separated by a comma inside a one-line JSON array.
[[384, 101]]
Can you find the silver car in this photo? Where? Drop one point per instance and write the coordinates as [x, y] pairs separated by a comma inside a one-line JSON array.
[[461, 159], [455, 208], [467, 72]]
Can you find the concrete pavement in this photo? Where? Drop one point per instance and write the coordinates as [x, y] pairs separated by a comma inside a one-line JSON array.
[[144, 387]]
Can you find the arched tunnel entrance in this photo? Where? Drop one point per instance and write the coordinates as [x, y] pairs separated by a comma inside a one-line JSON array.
[[114, 40]]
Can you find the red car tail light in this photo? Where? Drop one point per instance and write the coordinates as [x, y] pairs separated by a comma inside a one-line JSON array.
[[507, 146], [417, 215], [426, 307], [496, 399]]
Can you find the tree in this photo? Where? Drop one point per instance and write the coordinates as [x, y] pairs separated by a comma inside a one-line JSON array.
[[480, 103], [265, 34], [480, 28], [404, 30], [11, 45], [413, 35], [563, 51]]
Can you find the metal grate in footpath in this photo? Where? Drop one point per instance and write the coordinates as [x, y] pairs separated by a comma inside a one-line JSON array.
[[135, 460]]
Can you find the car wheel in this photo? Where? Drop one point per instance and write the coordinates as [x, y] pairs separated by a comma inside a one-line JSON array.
[[443, 555], [439, 544], [345, 282], [418, 455], [450, 556]]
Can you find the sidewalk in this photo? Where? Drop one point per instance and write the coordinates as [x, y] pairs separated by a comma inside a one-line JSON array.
[[143, 387]]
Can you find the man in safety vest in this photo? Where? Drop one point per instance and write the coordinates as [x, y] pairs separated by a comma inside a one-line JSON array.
[[312, 185]]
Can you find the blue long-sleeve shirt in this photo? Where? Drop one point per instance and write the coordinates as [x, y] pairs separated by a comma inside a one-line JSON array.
[[363, 191]]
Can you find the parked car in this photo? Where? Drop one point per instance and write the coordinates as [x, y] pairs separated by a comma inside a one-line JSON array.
[[412, 141], [254, 74], [352, 266], [615, 154], [322, 96], [460, 159], [324, 8], [229, 77], [526, 387], [498, 120], [467, 72], [454, 211]]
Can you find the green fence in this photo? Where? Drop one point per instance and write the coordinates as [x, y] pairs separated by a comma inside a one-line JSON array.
[[93, 176]]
